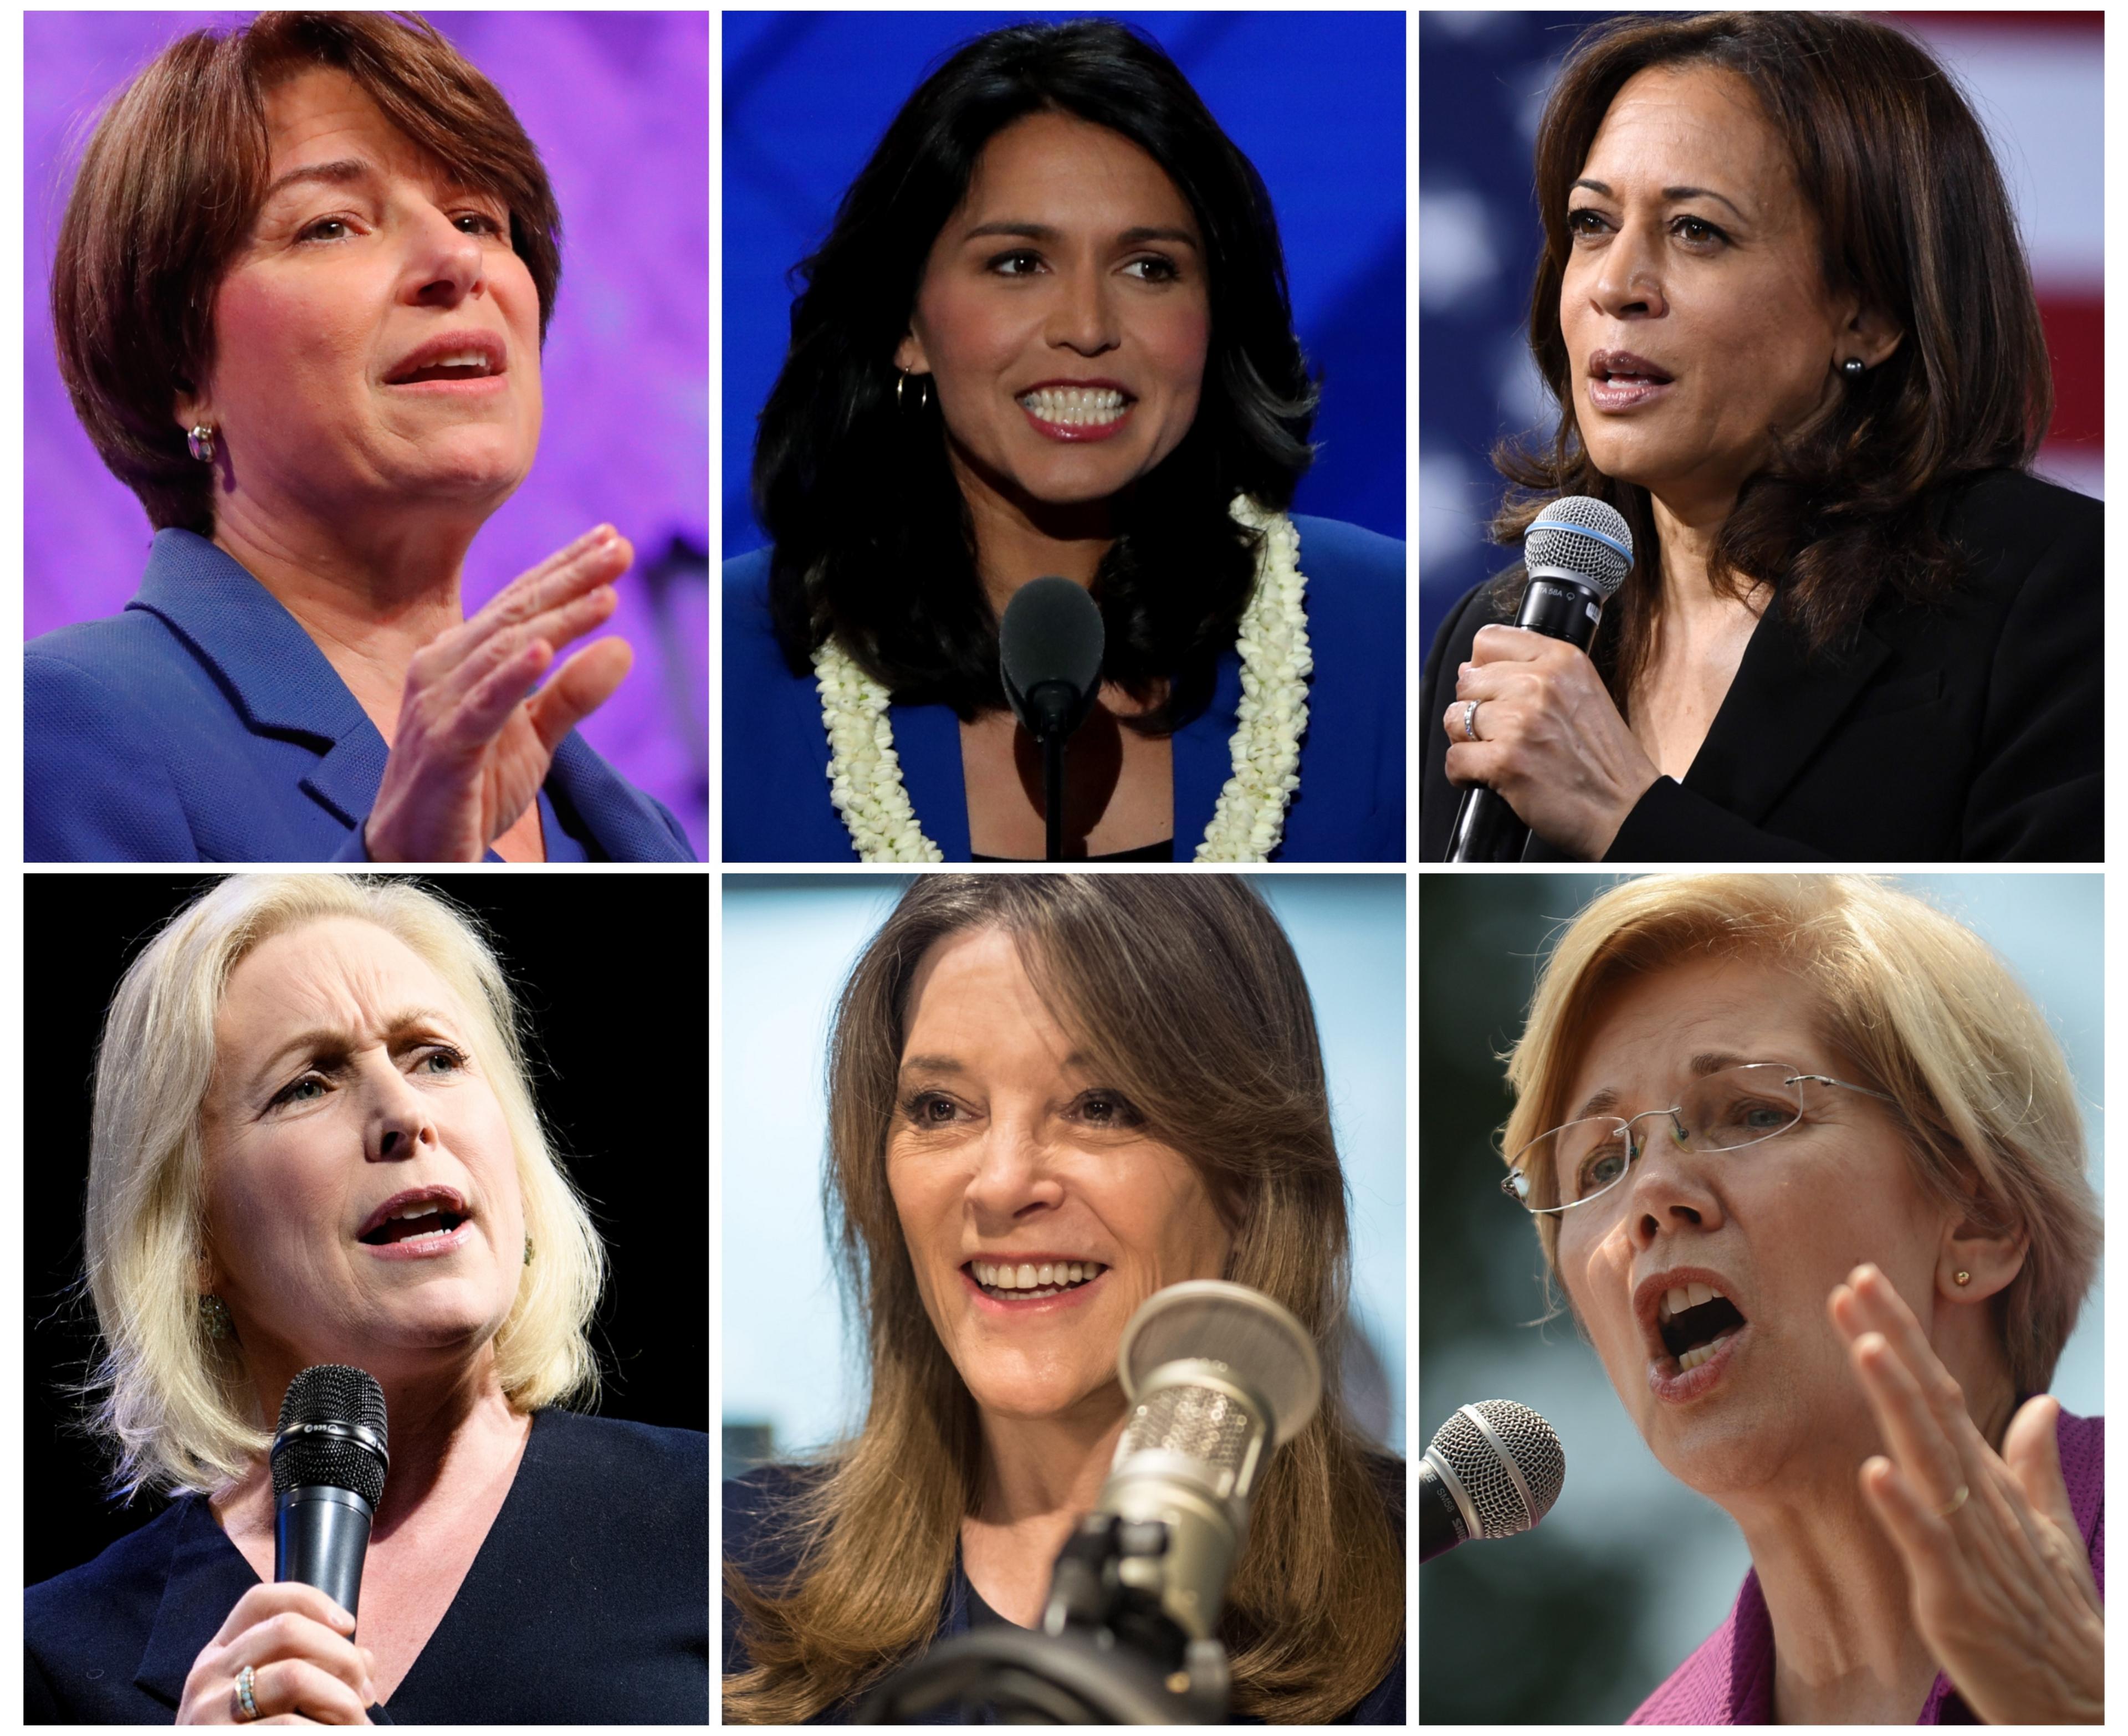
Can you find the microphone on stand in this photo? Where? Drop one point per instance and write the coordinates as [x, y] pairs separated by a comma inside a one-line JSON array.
[[1493, 1469], [1578, 552], [329, 1457], [1050, 643], [1219, 1376]]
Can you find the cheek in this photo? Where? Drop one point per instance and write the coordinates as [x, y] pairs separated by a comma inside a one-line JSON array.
[[1176, 343], [966, 332], [269, 330]]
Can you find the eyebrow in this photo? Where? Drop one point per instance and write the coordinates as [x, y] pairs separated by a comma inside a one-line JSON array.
[[336, 1041], [1707, 1061], [1047, 232], [1671, 193], [338, 174]]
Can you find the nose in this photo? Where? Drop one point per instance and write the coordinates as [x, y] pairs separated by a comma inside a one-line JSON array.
[[1083, 317], [1013, 1178], [1628, 281], [446, 265], [397, 1124], [1669, 1188]]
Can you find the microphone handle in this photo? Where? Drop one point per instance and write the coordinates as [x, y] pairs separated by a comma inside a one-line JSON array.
[[321, 1537], [1440, 1525], [1559, 605]]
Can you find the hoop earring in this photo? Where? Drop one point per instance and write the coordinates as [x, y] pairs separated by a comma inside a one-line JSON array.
[[922, 393], [200, 443]]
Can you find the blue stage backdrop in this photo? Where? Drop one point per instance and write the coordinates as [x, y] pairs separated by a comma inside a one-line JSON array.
[[618, 105], [1316, 99], [2035, 80]]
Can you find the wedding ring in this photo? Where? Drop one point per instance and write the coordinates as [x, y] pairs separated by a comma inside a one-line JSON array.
[[1471, 719], [1955, 1502], [247, 1708]]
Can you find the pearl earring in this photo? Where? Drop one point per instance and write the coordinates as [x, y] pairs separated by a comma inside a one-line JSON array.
[[1853, 368]]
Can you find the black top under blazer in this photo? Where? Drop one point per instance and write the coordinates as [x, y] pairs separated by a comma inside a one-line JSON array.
[[1968, 730], [587, 1603]]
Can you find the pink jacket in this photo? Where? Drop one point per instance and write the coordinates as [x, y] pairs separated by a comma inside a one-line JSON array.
[[1730, 1679]]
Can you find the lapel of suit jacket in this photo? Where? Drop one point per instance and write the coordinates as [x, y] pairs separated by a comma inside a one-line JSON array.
[[272, 670], [622, 823], [1780, 708], [207, 1575]]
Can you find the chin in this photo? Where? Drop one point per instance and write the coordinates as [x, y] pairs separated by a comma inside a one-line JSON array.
[[474, 464]]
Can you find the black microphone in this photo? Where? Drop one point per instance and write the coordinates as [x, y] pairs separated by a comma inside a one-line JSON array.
[[1493, 1469], [329, 1458], [1577, 552], [1050, 642]]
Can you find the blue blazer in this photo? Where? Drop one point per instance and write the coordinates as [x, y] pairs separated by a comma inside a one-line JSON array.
[[587, 1603], [1350, 807], [757, 1510], [203, 724]]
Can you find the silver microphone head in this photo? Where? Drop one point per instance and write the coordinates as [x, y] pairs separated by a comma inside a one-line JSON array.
[[1218, 1375], [1582, 538], [1502, 1465]]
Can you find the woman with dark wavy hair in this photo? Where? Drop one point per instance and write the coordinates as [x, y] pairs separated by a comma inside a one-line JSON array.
[[1049, 334], [1784, 309]]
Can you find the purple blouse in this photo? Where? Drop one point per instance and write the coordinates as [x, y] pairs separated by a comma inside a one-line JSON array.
[[1730, 1679]]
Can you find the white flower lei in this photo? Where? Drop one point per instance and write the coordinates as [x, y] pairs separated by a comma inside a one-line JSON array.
[[864, 772]]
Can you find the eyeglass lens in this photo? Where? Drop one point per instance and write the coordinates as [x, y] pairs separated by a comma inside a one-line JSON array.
[[1739, 1105]]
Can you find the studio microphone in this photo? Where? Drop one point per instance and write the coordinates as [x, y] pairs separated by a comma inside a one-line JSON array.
[[1493, 1469], [329, 1458], [1219, 1376], [1050, 642], [1577, 552]]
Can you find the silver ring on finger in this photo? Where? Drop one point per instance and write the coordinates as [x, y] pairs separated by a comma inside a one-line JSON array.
[[1955, 1502], [1471, 719], [247, 1706]]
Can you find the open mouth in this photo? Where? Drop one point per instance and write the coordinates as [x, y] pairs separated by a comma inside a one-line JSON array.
[[1031, 1281], [1692, 1319], [1076, 412], [1615, 367], [417, 1221], [470, 366]]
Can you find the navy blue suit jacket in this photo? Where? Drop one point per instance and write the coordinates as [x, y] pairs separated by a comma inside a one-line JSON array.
[[757, 1515], [1350, 807], [203, 724], [588, 1602]]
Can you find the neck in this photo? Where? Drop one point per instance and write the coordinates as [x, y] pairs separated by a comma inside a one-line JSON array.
[[1846, 1649], [1019, 538], [370, 588], [1039, 1475]]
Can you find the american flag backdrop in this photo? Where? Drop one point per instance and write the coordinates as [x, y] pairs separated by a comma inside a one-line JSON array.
[[2036, 80]]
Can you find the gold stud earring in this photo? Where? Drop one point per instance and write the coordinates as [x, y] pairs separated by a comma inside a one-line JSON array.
[[1962, 1279]]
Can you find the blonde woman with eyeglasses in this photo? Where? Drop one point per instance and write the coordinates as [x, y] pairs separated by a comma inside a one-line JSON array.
[[1806, 1161]]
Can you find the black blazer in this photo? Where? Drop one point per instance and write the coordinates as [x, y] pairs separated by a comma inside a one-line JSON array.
[[588, 1602], [1972, 730]]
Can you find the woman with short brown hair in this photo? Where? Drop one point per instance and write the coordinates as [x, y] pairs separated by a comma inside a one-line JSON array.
[[300, 296], [1784, 311]]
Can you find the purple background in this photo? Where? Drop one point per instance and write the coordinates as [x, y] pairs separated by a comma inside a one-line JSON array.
[[618, 104]]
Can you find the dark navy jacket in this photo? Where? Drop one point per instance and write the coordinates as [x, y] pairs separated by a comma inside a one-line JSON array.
[[757, 1507], [588, 1603], [1350, 807], [203, 724]]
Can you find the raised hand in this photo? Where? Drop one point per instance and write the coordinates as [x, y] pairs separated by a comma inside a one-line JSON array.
[[474, 741], [2002, 1585]]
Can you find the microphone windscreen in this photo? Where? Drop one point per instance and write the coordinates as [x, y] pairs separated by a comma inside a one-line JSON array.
[[1051, 632], [1507, 1461], [307, 1455], [1267, 1350], [1582, 536]]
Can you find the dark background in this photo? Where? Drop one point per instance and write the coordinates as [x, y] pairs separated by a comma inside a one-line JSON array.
[[612, 985]]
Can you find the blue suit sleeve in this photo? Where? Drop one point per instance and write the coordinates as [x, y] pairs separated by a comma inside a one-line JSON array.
[[95, 785]]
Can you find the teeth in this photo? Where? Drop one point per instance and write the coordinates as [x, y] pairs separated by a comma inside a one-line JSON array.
[[1049, 1278], [1678, 1300], [1698, 1354], [1679, 1297], [1700, 1293], [1075, 406]]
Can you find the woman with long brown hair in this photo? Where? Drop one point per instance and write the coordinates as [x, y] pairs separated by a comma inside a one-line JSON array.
[[1051, 1097], [1784, 311]]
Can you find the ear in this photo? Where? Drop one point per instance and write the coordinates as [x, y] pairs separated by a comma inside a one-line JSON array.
[[909, 357], [1991, 1257], [192, 408], [1869, 334]]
